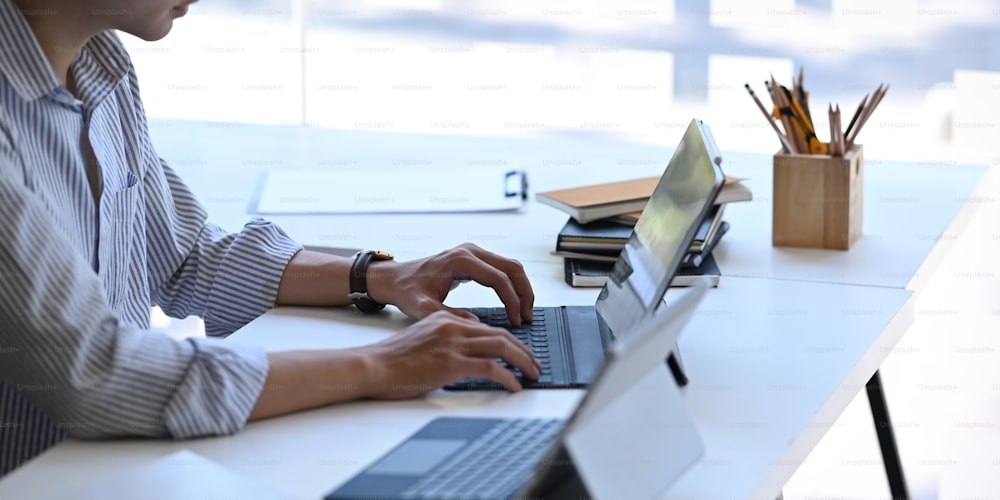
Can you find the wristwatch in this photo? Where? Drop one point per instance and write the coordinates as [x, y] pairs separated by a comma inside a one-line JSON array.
[[359, 280]]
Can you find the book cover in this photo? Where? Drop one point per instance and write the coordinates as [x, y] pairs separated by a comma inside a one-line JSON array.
[[732, 191], [589, 273], [609, 256], [623, 201], [609, 238], [691, 259], [599, 235], [597, 201]]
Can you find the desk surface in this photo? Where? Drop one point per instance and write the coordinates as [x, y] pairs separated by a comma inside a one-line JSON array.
[[762, 393], [773, 363], [912, 211], [775, 353]]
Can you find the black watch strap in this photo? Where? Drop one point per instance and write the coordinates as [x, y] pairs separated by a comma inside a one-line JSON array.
[[358, 280]]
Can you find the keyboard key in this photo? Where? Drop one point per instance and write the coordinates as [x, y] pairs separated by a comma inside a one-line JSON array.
[[533, 335], [490, 465]]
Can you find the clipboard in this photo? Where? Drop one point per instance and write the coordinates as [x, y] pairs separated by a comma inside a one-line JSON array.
[[315, 191]]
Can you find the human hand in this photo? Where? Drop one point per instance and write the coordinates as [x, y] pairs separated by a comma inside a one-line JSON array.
[[419, 287], [441, 349]]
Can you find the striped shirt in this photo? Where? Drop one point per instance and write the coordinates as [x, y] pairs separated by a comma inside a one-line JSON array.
[[78, 277]]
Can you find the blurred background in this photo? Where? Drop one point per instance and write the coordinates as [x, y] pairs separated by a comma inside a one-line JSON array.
[[633, 69], [639, 70]]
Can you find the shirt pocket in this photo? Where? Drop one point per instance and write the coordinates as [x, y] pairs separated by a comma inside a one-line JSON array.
[[118, 244]]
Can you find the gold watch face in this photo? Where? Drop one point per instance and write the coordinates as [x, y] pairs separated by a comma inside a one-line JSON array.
[[381, 255]]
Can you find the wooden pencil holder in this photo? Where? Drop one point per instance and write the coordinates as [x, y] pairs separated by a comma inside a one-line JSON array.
[[818, 200]]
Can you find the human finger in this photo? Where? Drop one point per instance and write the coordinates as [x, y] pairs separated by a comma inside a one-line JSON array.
[[490, 369], [511, 351], [516, 275], [472, 267], [429, 306]]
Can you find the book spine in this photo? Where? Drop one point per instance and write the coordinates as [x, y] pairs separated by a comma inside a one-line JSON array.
[[568, 271]]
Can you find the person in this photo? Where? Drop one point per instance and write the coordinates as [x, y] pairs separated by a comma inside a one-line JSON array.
[[95, 229]]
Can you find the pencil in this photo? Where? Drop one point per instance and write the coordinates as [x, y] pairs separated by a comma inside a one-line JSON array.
[[854, 118], [863, 117], [802, 95], [803, 128], [785, 145], [833, 130], [840, 130], [801, 116], [884, 90], [797, 112], [784, 113], [869, 109], [836, 134]]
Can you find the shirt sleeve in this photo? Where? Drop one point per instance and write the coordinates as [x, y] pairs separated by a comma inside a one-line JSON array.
[[197, 268], [65, 350]]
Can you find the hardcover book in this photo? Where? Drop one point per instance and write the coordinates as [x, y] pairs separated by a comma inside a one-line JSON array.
[[590, 273], [604, 240], [598, 201]]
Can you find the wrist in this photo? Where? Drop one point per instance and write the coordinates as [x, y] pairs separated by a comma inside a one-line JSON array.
[[362, 277], [380, 281], [346, 374], [370, 369]]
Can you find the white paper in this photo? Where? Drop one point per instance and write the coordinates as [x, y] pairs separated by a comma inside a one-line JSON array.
[[375, 191]]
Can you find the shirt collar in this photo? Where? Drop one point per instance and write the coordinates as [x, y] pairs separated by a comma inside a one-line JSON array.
[[103, 60], [101, 66]]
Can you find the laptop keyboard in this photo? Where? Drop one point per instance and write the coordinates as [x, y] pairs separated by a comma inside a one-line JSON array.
[[494, 464], [534, 335]]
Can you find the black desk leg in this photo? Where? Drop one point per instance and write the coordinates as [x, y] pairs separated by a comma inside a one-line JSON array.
[[886, 438]]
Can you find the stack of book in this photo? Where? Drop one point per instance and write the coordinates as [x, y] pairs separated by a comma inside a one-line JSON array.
[[601, 220]]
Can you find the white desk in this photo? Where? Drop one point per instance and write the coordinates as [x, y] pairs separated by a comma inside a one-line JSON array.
[[775, 354], [763, 392], [772, 363], [908, 206]]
